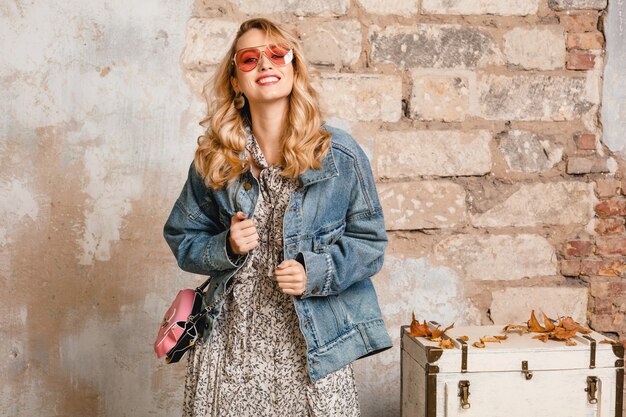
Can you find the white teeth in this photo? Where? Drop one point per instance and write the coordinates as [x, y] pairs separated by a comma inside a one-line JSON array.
[[267, 80]]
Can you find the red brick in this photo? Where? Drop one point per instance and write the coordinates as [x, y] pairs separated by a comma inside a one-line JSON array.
[[623, 187], [578, 248], [587, 40], [580, 61], [607, 187], [608, 208], [608, 322], [602, 267], [585, 141], [587, 22], [570, 267], [611, 246], [609, 226]]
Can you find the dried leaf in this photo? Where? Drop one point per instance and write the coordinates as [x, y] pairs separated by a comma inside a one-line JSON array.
[[561, 333], [436, 333], [479, 345], [609, 341], [568, 323], [543, 337], [418, 329], [489, 339], [446, 344], [547, 323], [514, 328], [501, 337], [464, 338], [533, 324], [570, 342]]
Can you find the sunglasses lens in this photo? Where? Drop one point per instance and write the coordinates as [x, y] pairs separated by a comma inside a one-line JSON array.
[[247, 59], [279, 54]]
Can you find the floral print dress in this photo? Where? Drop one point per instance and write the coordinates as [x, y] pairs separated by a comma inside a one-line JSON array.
[[254, 363]]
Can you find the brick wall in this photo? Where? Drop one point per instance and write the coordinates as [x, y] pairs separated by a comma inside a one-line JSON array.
[[481, 122]]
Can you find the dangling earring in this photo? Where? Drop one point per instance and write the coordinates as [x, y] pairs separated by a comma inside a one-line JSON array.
[[239, 101]]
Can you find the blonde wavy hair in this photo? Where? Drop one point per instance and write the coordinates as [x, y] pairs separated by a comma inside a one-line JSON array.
[[304, 142]]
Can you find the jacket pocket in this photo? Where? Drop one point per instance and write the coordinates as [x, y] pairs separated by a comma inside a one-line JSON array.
[[327, 236], [336, 306]]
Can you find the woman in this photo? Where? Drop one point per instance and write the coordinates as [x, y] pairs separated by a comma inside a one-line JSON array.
[[282, 213]]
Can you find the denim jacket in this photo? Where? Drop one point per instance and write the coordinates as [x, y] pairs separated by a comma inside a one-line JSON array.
[[333, 225]]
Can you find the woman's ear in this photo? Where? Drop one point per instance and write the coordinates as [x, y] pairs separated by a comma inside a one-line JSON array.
[[235, 84]]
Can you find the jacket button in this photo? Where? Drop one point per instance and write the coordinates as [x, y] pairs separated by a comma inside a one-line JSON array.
[[315, 290], [247, 186]]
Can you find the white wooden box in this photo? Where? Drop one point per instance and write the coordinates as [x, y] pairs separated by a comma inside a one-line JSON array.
[[519, 377]]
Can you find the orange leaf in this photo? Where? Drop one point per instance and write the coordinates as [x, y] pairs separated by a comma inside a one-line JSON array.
[[542, 337], [418, 329], [533, 324], [446, 344], [479, 345], [568, 323], [515, 327], [547, 323], [561, 333]]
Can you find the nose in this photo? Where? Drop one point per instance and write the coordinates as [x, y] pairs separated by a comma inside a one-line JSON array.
[[264, 62]]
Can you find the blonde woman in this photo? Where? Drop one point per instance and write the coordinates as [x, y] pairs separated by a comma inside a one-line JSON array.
[[282, 212]]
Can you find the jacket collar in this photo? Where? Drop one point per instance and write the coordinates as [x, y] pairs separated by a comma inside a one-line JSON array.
[[326, 171]]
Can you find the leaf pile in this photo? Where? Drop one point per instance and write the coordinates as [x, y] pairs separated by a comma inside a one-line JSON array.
[[434, 335], [565, 330]]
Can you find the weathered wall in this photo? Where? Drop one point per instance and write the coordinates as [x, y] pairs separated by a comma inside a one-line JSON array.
[[481, 120]]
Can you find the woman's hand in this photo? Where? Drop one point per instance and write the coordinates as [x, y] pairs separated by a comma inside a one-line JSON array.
[[291, 277], [243, 236]]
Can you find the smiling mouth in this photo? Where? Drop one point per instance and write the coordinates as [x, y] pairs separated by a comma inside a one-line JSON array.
[[268, 80]]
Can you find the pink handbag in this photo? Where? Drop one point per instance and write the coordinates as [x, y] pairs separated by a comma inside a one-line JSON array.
[[184, 322], [181, 326]]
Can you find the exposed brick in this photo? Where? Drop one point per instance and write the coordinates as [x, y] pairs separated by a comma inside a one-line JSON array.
[[433, 152], [607, 187], [361, 96], [578, 248], [580, 61], [587, 165], [602, 267], [609, 208], [398, 7], [526, 151], [563, 202], [433, 46], [611, 246], [298, 8], [422, 205], [570, 267], [587, 22], [624, 187], [439, 96], [585, 140], [465, 7], [331, 42], [534, 97], [587, 40], [538, 47], [609, 226], [577, 4]]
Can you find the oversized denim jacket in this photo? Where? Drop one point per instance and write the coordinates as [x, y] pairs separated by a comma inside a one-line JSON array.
[[333, 224]]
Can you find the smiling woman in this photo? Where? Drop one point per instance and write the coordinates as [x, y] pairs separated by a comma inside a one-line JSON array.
[[282, 212]]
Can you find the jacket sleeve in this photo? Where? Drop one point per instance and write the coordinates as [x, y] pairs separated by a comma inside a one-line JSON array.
[[359, 252], [194, 232]]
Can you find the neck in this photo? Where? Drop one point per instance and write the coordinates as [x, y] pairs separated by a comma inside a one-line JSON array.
[[268, 126]]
